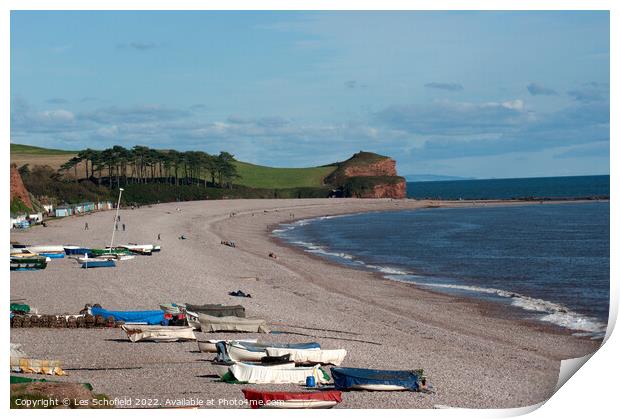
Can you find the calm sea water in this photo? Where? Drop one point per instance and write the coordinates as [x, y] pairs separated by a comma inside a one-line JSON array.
[[549, 187], [551, 261]]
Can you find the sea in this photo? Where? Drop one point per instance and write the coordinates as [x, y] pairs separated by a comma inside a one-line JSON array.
[[548, 261]]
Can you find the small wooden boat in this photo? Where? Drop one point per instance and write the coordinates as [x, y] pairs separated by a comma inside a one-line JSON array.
[[143, 332], [292, 400], [221, 368], [209, 346], [243, 351], [46, 249], [141, 249], [71, 250], [378, 380], [28, 262], [108, 251], [96, 263], [114, 256], [312, 356], [257, 374]]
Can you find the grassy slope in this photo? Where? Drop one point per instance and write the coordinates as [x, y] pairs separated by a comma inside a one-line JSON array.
[[252, 175], [277, 178], [39, 151]]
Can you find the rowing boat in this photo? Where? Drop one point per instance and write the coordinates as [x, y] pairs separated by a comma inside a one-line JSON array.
[[28, 262], [245, 351], [292, 400], [141, 332], [209, 346], [71, 250], [257, 374], [378, 380], [312, 356], [222, 368], [46, 249], [96, 263]]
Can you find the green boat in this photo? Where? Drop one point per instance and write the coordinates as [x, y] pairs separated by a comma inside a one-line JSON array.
[[115, 251], [19, 263]]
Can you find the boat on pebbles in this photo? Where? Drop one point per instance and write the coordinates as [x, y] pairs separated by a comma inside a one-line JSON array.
[[292, 400], [231, 324], [246, 351], [241, 372], [378, 380], [210, 346], [154, 333]]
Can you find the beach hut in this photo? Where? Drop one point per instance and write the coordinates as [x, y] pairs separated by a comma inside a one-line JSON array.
[[84, 207], [63, 211]]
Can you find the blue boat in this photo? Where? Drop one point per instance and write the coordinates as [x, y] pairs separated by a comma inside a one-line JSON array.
[[76, 250], [378, 380], [145, 317], [98, 263], [53, 255]]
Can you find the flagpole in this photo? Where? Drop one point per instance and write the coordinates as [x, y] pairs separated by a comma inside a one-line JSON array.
[[118, 205]]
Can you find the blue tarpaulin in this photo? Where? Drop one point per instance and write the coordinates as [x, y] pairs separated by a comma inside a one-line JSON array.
[[148, 317], [346, 378]]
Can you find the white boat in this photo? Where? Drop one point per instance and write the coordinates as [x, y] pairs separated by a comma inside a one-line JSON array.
[[255, 374], [209, 345], [140, 332], [310, 356], [111, 256], [221, 368], [46, 249], [238, 351]]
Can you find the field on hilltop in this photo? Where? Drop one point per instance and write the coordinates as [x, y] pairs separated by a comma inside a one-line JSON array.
[[255, 176], [38, 156]]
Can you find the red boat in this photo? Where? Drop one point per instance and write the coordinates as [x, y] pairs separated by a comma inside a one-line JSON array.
[[292, 400]]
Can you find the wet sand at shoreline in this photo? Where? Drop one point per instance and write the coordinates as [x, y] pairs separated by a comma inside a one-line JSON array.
[[472, 357]]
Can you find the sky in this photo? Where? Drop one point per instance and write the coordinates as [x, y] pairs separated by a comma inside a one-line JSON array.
[[473, 94]]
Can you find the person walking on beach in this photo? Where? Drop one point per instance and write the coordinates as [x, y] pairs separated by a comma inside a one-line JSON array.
[[118, 218], [158, 236], [116, 226], [123, 227], [85, 226]]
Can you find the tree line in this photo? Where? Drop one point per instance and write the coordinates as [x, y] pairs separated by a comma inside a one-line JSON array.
[[142, 164]]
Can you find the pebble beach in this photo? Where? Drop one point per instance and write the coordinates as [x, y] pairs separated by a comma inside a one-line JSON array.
[[475, 354]]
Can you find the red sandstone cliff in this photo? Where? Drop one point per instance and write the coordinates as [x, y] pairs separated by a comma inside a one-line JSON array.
[[368, 175], [385, 167], [18, 190]]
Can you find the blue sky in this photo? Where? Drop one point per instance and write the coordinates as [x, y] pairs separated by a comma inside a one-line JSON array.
[[482, 94]]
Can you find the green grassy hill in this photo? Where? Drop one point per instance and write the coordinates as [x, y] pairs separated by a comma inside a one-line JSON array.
[[255, 176], [252, 175], [38, 151]]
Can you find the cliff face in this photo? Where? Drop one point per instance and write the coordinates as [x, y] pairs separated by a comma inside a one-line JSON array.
[[368, 175], [396, 190], [385, 167], [18, 190]]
